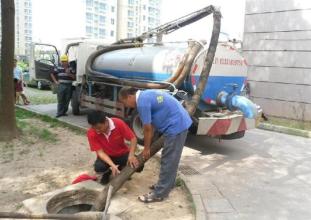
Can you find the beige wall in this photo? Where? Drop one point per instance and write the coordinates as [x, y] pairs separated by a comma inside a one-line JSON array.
[[277, 47]]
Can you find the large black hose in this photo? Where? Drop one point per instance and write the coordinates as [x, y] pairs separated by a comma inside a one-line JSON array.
[[195, 100]]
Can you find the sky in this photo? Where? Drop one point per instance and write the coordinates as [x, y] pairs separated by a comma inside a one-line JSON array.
[[51, 25]]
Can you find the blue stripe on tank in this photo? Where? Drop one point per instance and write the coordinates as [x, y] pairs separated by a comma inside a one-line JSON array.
[[215, 85]]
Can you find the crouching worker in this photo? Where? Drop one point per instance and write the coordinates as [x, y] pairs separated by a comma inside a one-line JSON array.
[[107, 138]]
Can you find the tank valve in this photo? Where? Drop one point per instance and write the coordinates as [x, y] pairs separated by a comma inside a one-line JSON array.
[[236, 102]]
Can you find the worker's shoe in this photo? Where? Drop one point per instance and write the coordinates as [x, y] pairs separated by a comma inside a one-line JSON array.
[[150, 197]]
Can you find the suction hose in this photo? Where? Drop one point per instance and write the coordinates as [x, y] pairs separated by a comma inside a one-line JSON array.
[[192, 105]]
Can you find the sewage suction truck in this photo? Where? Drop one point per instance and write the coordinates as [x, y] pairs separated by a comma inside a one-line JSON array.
[[148, 62]]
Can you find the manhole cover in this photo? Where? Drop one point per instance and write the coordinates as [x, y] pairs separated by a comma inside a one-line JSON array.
[[188, 170]]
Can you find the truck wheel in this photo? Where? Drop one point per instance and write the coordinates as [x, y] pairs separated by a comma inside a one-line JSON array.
[[138, 128], [75, 100]]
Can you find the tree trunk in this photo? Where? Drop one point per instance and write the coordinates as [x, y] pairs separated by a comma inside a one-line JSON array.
[[8, 128]]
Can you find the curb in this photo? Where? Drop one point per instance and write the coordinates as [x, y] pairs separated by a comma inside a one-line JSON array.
[[196, 199], [285, 130]]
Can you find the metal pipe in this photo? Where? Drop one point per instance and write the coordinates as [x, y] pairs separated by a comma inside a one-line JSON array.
[[236, 102], [195, 49], [80, 216]]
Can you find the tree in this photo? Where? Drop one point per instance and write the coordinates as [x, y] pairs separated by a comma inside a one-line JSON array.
[[8, 129]]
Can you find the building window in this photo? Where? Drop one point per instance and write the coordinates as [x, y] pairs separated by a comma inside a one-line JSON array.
[[112, 21], [130, 13], [144, 17], [102, 19], [89, 16], [102, 32], [102, 6], [112, 8], [129, 35], [144, 7], [151, 20], [131, 2], [111, 33], [89, 29], [130, 24], [89, 2]]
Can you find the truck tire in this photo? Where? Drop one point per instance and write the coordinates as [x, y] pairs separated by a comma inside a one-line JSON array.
[[137, 127], [75, 100]]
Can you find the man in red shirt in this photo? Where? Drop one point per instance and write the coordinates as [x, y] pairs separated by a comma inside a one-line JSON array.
[[106, 137]]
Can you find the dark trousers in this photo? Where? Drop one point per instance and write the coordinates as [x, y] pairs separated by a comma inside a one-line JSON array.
[[64, 93], [170, 157], [104, 168]]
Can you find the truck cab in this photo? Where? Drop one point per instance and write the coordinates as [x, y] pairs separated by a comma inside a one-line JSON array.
[[45, 57]]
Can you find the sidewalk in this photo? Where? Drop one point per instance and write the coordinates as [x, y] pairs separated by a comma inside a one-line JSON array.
[[264, 175], [198, 189]]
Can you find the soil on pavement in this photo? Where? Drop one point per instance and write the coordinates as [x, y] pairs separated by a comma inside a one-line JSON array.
[[47, 157]]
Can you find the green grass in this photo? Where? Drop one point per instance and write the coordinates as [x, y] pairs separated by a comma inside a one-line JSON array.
[[289, 123], [37, 97], [42, 134], [24, 114], [35, 100], [179, 182]]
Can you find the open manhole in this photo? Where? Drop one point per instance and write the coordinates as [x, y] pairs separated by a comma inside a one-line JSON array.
[[72, 202], [75, 209], [188, 170]]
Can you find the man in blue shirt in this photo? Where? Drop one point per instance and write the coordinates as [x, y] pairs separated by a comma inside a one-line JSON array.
[[158, 109]]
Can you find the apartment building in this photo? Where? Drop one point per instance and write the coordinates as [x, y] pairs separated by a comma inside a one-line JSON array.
[[23, 27], [100, 19], [137, 16]]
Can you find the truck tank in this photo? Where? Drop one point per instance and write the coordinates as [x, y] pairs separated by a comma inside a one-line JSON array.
[[159, 63]]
